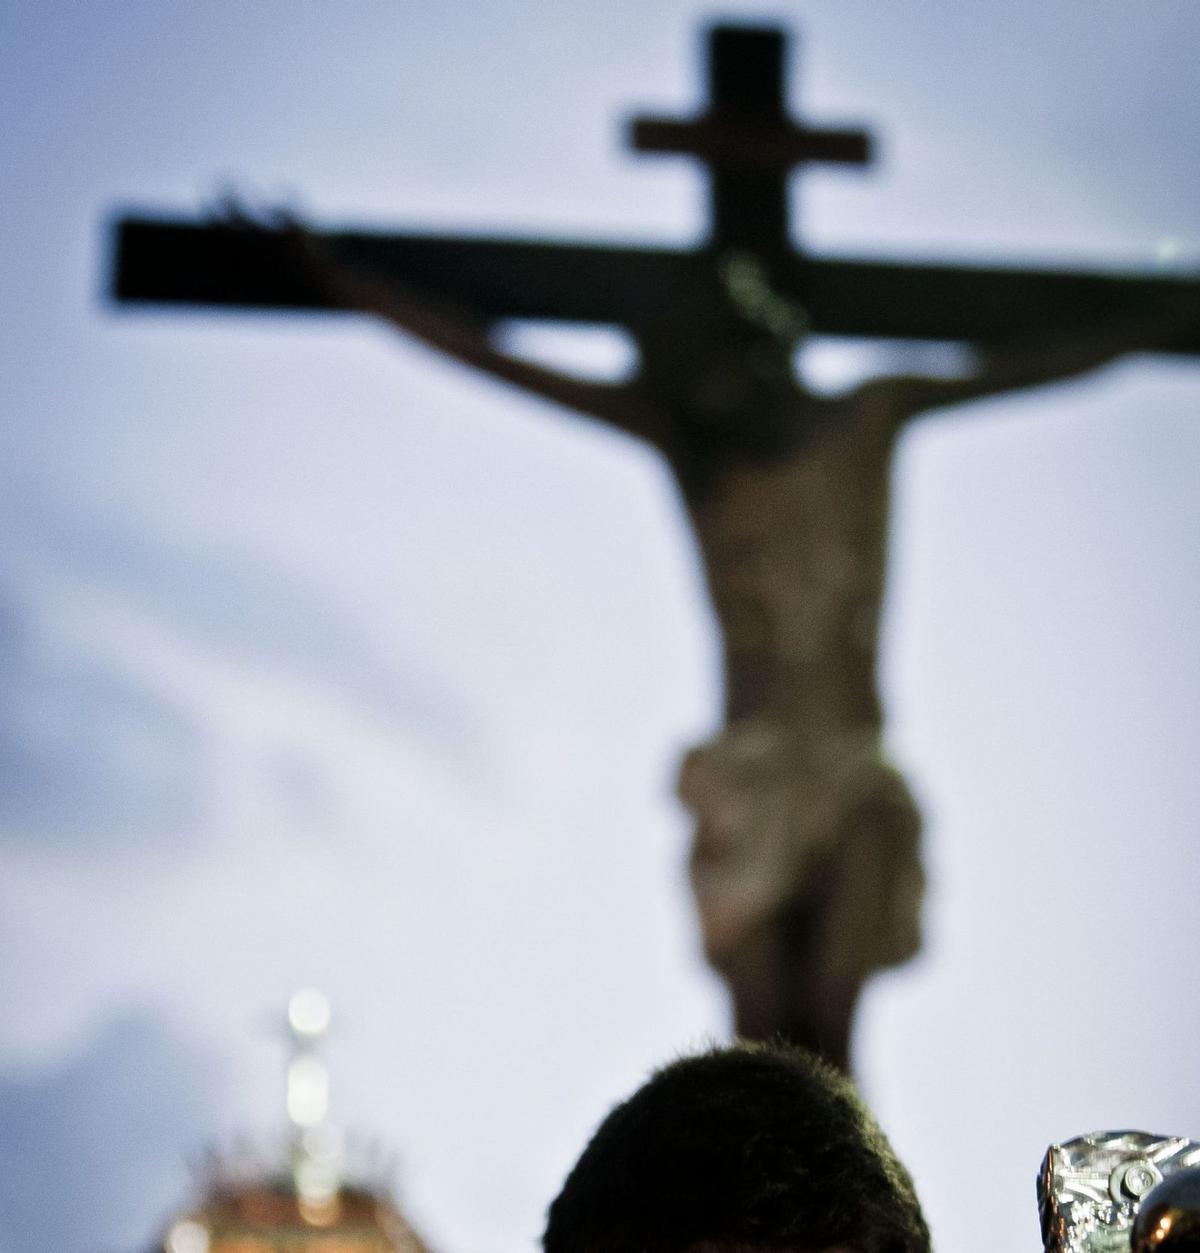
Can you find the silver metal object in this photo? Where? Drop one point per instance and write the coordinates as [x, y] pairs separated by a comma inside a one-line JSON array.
[[1089, 1189]]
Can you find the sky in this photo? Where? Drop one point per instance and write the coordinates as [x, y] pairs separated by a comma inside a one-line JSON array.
[[323, 661]]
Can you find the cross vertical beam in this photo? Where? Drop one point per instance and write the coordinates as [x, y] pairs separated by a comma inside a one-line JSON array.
[[746, 76], [746, 139]]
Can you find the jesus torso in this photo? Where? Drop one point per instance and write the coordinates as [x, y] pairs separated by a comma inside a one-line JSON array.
[[794, 551]]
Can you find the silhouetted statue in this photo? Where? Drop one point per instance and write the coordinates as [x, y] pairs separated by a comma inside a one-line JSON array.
[[805, 864]]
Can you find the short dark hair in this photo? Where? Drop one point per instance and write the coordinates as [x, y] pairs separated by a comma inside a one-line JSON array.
[[753, 1147]]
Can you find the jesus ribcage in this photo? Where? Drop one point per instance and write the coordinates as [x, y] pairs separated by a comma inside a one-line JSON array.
[[805, 859]]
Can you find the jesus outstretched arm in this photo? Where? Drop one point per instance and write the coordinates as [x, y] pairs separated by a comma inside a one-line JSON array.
[[1052, 358], [460, 334]]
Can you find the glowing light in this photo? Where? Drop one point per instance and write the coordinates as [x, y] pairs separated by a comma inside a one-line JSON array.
[[320, 1213], [308, 1012], [307, 1091], [188, 1237], [316, 1182], [322, 1143]]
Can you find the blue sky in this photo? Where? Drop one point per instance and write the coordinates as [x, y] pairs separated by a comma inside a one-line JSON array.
[[324, 661]]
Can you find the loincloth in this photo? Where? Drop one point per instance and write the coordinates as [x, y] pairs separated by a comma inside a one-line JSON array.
[[790, 827]]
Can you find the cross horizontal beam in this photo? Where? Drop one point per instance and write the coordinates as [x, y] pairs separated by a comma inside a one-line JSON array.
[[178, 263], [745, 139], [731, 144]]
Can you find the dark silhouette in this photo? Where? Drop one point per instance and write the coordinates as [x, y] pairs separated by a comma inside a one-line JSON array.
[[736, 1150], [805, 865]]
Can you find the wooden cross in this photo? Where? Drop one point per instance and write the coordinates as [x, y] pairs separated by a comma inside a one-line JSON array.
[[747, 141], [787, 491], [748, 144]]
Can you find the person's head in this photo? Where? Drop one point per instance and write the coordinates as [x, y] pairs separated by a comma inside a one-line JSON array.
[[749, 1149]]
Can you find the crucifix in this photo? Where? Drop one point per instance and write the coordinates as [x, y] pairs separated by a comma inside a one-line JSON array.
[[805, 862]]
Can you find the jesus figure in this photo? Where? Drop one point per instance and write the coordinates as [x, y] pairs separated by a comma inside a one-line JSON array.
[[805, 863]]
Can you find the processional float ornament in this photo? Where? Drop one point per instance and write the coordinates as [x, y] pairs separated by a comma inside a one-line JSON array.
[[309, 1196], [1090, 1189]]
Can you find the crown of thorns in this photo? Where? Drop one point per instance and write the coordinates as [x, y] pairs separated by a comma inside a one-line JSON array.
[[745, 281]]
